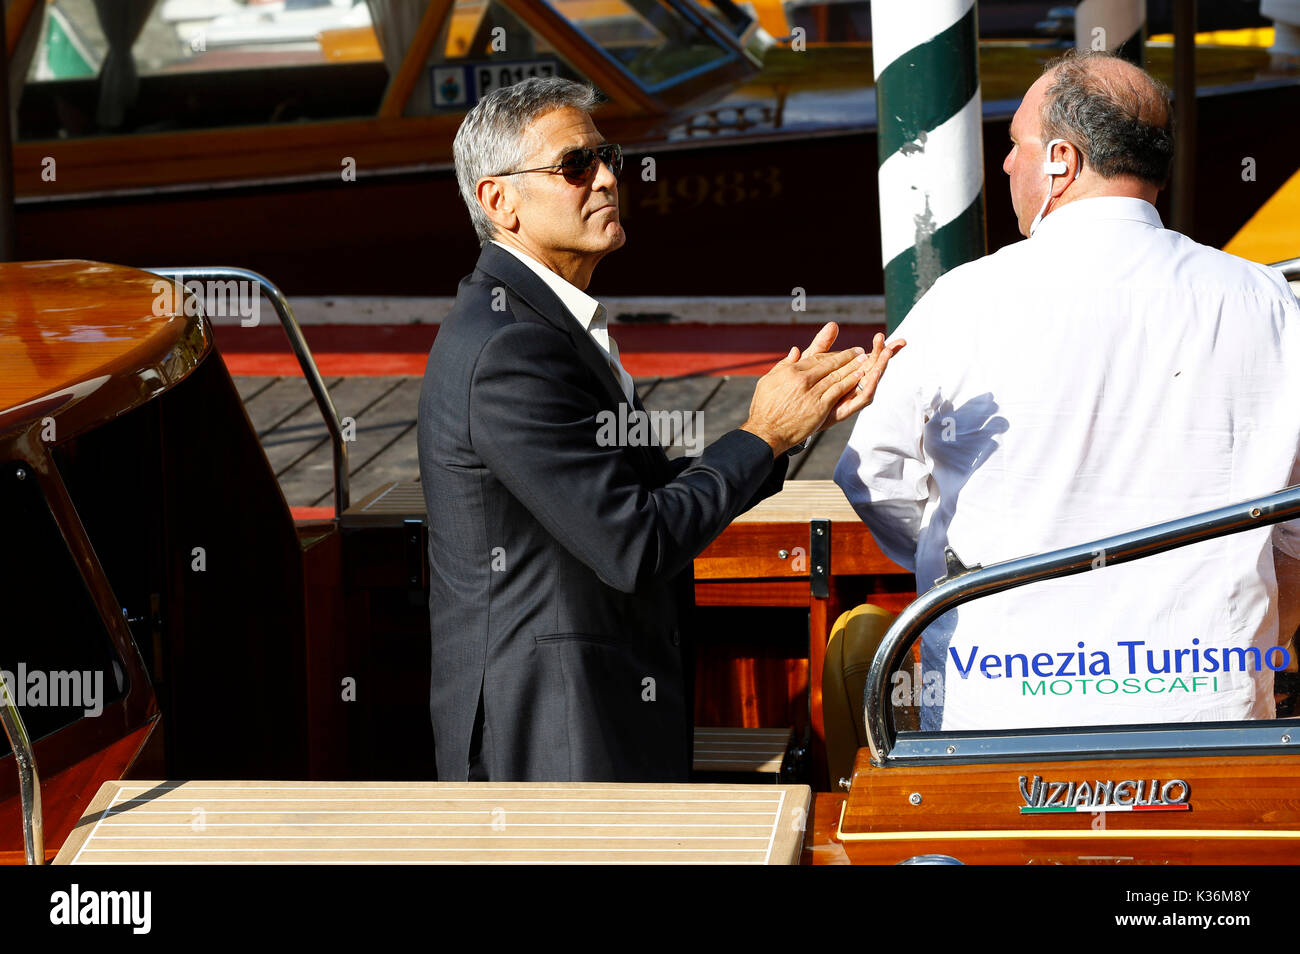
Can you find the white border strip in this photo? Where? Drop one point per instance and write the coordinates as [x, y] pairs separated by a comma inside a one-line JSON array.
[[103, 816], [489, 789], [898, 26], [945, 175], [780, 810]]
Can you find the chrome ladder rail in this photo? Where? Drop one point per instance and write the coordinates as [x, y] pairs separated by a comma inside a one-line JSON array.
[[963, 585], [1290, 268], [342, 485], [29, 779]]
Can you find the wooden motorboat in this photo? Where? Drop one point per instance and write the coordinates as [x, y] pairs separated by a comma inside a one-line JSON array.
[[1192, 793], [154, 577], [175, 636], [169, 619], [304, 165]]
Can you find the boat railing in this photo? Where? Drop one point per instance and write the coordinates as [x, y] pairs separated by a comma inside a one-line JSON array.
[[1290, 268], [342, 487], [963, 584], [29, 779]]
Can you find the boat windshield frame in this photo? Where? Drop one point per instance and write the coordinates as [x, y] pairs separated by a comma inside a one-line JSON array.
[[736, 60]]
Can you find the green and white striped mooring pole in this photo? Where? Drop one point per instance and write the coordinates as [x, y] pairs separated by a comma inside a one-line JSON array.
[[1118, 26], [931, 144]]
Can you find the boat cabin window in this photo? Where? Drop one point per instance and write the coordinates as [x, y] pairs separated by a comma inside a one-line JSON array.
[[731, 17], [484, 44], [478, 28], [653, 40], [143, 66], [55, 654]]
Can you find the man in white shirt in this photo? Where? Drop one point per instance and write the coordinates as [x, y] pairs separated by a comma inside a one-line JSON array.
[[1104, 375]]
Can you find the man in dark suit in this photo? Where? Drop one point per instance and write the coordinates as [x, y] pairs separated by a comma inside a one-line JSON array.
[[561, 558]]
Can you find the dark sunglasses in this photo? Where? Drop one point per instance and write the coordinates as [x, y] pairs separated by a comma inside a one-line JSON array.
[[579, 165]]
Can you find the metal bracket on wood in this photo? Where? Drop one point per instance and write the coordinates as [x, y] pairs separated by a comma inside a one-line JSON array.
[[954, 566], [29, 779], [819, 558], [417, 567]]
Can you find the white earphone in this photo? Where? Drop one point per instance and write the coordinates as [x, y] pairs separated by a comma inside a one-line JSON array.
[[1051, 169], [1056, 168]]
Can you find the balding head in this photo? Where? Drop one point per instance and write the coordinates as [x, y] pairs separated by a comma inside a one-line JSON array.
[[1115, 113]]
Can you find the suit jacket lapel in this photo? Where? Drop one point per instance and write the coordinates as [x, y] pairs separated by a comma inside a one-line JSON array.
[[501, 266], [504, 267]]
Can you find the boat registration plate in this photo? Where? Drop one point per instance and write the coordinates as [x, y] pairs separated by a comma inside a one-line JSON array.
[[465, 85]]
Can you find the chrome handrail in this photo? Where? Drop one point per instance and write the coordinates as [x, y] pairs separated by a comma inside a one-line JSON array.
[[342, 485], [967, 585], [1290, 268], [29, 779]]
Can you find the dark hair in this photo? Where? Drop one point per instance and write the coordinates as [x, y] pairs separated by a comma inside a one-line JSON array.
[[1123, 125]]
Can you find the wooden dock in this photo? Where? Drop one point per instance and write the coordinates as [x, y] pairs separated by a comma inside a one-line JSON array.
[[296, 443]]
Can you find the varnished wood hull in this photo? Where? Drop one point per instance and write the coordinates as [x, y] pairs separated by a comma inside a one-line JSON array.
[[1240, 810], [802, 208]]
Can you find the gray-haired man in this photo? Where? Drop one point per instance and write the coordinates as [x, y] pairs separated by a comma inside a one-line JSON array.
[[561, 561]]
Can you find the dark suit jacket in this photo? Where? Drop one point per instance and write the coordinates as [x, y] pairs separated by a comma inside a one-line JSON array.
[[561, 569]]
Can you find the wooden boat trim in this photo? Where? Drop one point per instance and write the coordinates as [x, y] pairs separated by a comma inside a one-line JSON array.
[[214, 157], [118, 359], [1018, 834], [155, 358], [1104, 834], [402, 85], [16, 17], [139, 698], [589, 59]]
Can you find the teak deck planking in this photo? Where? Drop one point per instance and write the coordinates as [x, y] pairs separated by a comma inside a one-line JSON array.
[[740, 750], [275, 822]]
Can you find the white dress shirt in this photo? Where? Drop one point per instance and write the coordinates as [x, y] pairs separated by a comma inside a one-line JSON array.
[[588, 312], [1103, 376]]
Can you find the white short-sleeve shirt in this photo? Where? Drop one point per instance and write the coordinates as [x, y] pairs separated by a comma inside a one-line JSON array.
[[1105, 375]]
